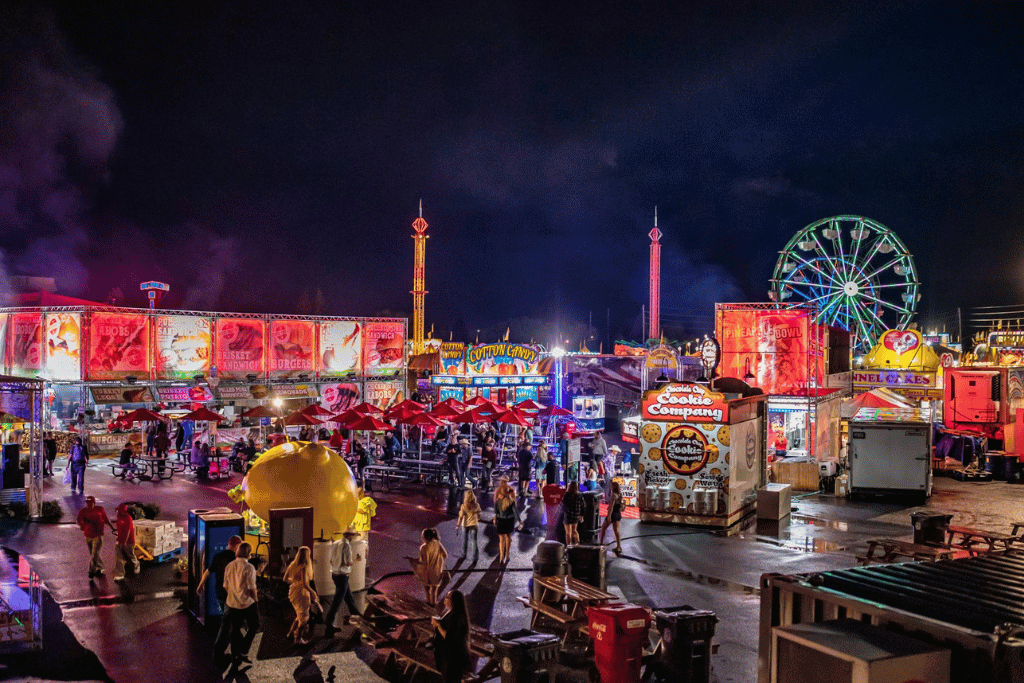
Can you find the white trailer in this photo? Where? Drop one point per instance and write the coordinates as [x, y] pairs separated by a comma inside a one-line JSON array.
[[890, 452]]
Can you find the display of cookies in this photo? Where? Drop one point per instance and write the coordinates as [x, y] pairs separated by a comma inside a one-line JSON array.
[[706, 428], [724, 435], [651, 433], [715, 472], [654, 454], [640, 469], [680, 484], [675, 500]]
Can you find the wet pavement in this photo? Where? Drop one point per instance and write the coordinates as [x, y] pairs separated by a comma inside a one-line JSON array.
[[139, 631]]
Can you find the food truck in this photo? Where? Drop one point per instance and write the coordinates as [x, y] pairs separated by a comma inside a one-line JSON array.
[[703, 456]]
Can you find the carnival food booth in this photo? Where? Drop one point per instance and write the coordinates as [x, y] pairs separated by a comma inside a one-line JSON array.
[[803, 367], [100, 361], [503, 372], [703, 458], [904, 363]]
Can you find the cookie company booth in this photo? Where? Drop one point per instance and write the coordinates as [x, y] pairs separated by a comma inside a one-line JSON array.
[[703, 457], [504, 373]]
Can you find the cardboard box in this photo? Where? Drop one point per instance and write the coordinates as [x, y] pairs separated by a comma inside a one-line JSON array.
[[774, 501]]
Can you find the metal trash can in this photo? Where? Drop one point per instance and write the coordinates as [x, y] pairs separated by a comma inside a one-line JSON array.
[[591, 517], [587, 563], [686, 636], [548, 561], [527, 656], [930, 529]]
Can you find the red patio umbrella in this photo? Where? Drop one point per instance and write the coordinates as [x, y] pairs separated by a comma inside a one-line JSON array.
[[445, 412], [300, 418], [141, 415], [365, 408], [529, 406], [259, 411], [368, 423], [402, 410], [480, 401], [513, 417], [315, 410], [452, 403], [475, 416], [203, 414], [423, 420], [555, 411]]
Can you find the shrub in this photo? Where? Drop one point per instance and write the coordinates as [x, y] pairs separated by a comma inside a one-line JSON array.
[[52, 511], [140, 510]]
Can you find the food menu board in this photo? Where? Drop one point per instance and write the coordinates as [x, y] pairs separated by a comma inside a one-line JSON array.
[[64, 346], [240, 349], [383, 348], [183, 346], [292, 348], [384, 394], [118, 346], [341, 345], [25, 344]]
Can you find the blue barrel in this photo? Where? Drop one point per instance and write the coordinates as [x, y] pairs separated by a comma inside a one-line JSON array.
[[1010, 467], [995, 464]]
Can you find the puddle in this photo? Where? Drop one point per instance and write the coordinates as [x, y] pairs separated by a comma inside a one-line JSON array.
[[818, 522], [703, 579], [805, 544]]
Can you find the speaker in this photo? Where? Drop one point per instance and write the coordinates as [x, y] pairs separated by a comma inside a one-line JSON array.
[[13, 477]]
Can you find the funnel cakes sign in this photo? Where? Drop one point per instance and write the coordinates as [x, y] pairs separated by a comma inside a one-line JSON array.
[[686, 402]]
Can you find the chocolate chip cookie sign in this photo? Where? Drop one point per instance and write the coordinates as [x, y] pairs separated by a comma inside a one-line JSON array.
[[240, 347], [684, 450]]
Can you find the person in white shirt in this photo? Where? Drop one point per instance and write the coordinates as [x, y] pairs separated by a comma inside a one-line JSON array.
[[342, 557], [242, 608]]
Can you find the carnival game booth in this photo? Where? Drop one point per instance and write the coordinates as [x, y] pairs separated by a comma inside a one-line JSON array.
[[503, 373], [703, 458], [99, 361]]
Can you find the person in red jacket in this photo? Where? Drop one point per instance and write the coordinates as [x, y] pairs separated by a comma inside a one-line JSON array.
[[124, 551], [91, 520]]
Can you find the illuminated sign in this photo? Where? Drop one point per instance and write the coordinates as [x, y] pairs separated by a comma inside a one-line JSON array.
[[684, 450], [777, 346], [383, 348], [383, 394], [341, 348], [25, 344], [240, 348], [502, 359], [184, 346], [339, 397], [118, 346], [292, 348], [893, 378], [901, 341], [196, 394], [64, 346], [685, 402]]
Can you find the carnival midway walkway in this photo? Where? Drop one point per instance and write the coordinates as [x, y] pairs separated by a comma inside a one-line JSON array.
[[139, 631]]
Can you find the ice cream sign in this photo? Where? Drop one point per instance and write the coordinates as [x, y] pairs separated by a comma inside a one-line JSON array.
[[686, 402]]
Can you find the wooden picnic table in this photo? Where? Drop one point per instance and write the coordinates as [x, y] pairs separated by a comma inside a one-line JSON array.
[[1016, 527], [890, 549], [565, 600], [970, 537]]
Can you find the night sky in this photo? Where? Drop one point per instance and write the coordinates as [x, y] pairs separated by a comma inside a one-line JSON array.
[[253, 154]]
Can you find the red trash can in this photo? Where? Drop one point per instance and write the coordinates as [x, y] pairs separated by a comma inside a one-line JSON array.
[[619, 633], [553, 494]]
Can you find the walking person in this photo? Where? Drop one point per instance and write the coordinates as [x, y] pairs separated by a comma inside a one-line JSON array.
[[429, 566], [179, 441], [489, 460], [298, 576], [572, 512], [609, 470], [242, 608], [218, 564], [524, 458], [465, 463], [551, 470], [469, 518], [453, 454], [93, 520], [150, 439], [505, 518], [124, 548], [451, 638], [342, 558], [614, 516], [78, 458], [540, 462], [50, 451]]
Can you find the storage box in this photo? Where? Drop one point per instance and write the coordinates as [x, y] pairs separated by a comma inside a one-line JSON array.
[[843, 485], [774, 501]]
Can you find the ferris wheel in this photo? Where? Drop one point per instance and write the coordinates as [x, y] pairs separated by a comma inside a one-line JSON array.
[[857, 273]]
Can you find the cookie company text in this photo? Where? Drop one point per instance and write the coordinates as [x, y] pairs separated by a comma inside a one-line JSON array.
[[685, 406]]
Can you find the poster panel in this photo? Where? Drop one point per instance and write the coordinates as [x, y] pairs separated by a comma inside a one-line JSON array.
[[453, 358], [502, 359], [3, 342], [64, 346], [772, 345], [25, 344], [118, 346], [193, 394], [384, 394], [292, 348], [339, 397], [240, 348], [184, 346], [120, 395], [341, 345], [383, 348], [678, 457]]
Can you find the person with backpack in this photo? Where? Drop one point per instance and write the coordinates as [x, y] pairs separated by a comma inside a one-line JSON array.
[[78, 458]]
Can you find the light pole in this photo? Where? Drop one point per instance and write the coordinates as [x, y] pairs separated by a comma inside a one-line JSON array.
[[558, 353]]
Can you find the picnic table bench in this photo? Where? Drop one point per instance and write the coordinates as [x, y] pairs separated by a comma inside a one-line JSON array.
[[1016, 527], [970, 537], [893, 548], [564, 600], [148, 467], [388, 475]]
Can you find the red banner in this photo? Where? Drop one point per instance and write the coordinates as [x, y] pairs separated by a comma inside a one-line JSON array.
[[25, 344], [118, 346], [292, 348], [240, 348], [383, 348], [687, 402], [775, 346]]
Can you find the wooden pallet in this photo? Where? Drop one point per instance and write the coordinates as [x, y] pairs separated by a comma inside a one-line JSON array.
[[157, 559], [971, 475]]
